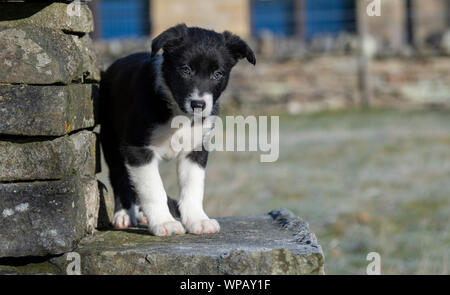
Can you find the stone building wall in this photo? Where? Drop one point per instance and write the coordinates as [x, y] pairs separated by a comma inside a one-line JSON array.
[[49, 196], [220, 15], [389, 29], [431, 21]]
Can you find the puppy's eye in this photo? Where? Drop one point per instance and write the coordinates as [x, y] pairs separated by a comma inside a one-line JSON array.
[[217, 75], [186, 70]]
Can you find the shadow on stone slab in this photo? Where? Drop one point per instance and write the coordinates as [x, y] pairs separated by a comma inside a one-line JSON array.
[[274, 243], [13, 11]]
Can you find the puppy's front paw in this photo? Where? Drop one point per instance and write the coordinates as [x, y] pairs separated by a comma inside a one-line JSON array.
[[121, 219], [167, 228], [205, 226]]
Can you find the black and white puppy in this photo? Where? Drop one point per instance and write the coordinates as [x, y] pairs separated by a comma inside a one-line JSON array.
[[139, 96]]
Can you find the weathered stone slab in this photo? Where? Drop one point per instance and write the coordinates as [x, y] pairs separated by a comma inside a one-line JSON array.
[[32, 55], [46, 110], [43, 160], [41, 218], [8, 272], [274, 243], [76, 18]]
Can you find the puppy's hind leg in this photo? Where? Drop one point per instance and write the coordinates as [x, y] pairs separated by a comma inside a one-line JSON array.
[[124, 196], [125, 199]]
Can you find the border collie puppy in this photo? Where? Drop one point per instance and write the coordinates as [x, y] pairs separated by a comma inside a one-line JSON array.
[[139, 96]]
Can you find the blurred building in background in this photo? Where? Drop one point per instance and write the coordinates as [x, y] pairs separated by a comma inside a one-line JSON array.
[[308, 51], [414, 21]]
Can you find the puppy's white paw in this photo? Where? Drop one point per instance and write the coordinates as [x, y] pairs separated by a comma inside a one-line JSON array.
[[167, 228], [205, 226], [121, 219]]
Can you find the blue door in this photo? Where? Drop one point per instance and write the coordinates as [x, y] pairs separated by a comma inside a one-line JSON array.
[[329, 17], [276, 16], [124, 18]]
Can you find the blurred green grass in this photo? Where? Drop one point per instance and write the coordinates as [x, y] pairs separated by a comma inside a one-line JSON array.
[[376, 180]]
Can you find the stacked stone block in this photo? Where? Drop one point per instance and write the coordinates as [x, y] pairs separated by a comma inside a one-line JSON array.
[[49, 196]]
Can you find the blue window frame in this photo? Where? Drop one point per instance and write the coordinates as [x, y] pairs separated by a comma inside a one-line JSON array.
[[276, 16], [320, 17], [124, 18], [329, 17]]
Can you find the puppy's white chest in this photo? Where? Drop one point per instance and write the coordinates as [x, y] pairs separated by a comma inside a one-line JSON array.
[[168, 142]]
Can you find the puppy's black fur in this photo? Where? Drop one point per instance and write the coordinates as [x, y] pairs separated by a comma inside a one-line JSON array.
[[142, 91]]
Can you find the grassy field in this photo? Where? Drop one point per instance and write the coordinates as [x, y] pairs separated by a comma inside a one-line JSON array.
[[365, 181]]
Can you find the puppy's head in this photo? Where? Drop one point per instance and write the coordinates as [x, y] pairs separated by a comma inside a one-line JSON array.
[[197, 64]]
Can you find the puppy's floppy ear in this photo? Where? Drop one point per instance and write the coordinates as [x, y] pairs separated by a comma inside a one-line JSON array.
[[238, 48], [168, 38]]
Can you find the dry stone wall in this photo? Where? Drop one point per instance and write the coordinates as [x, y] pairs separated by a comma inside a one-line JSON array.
[[331, 83], [49, 196]]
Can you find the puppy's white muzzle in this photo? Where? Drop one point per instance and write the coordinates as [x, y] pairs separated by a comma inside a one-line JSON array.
[[199, 104]]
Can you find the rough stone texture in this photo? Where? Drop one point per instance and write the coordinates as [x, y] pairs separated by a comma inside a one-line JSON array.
[[91, 72], [67, 17], [44, 56], [41, 218], [46, 110], [62, 157], [91, 194], [274, 243]]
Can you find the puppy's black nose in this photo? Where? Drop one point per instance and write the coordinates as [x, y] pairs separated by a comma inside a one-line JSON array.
[[198, 104]]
